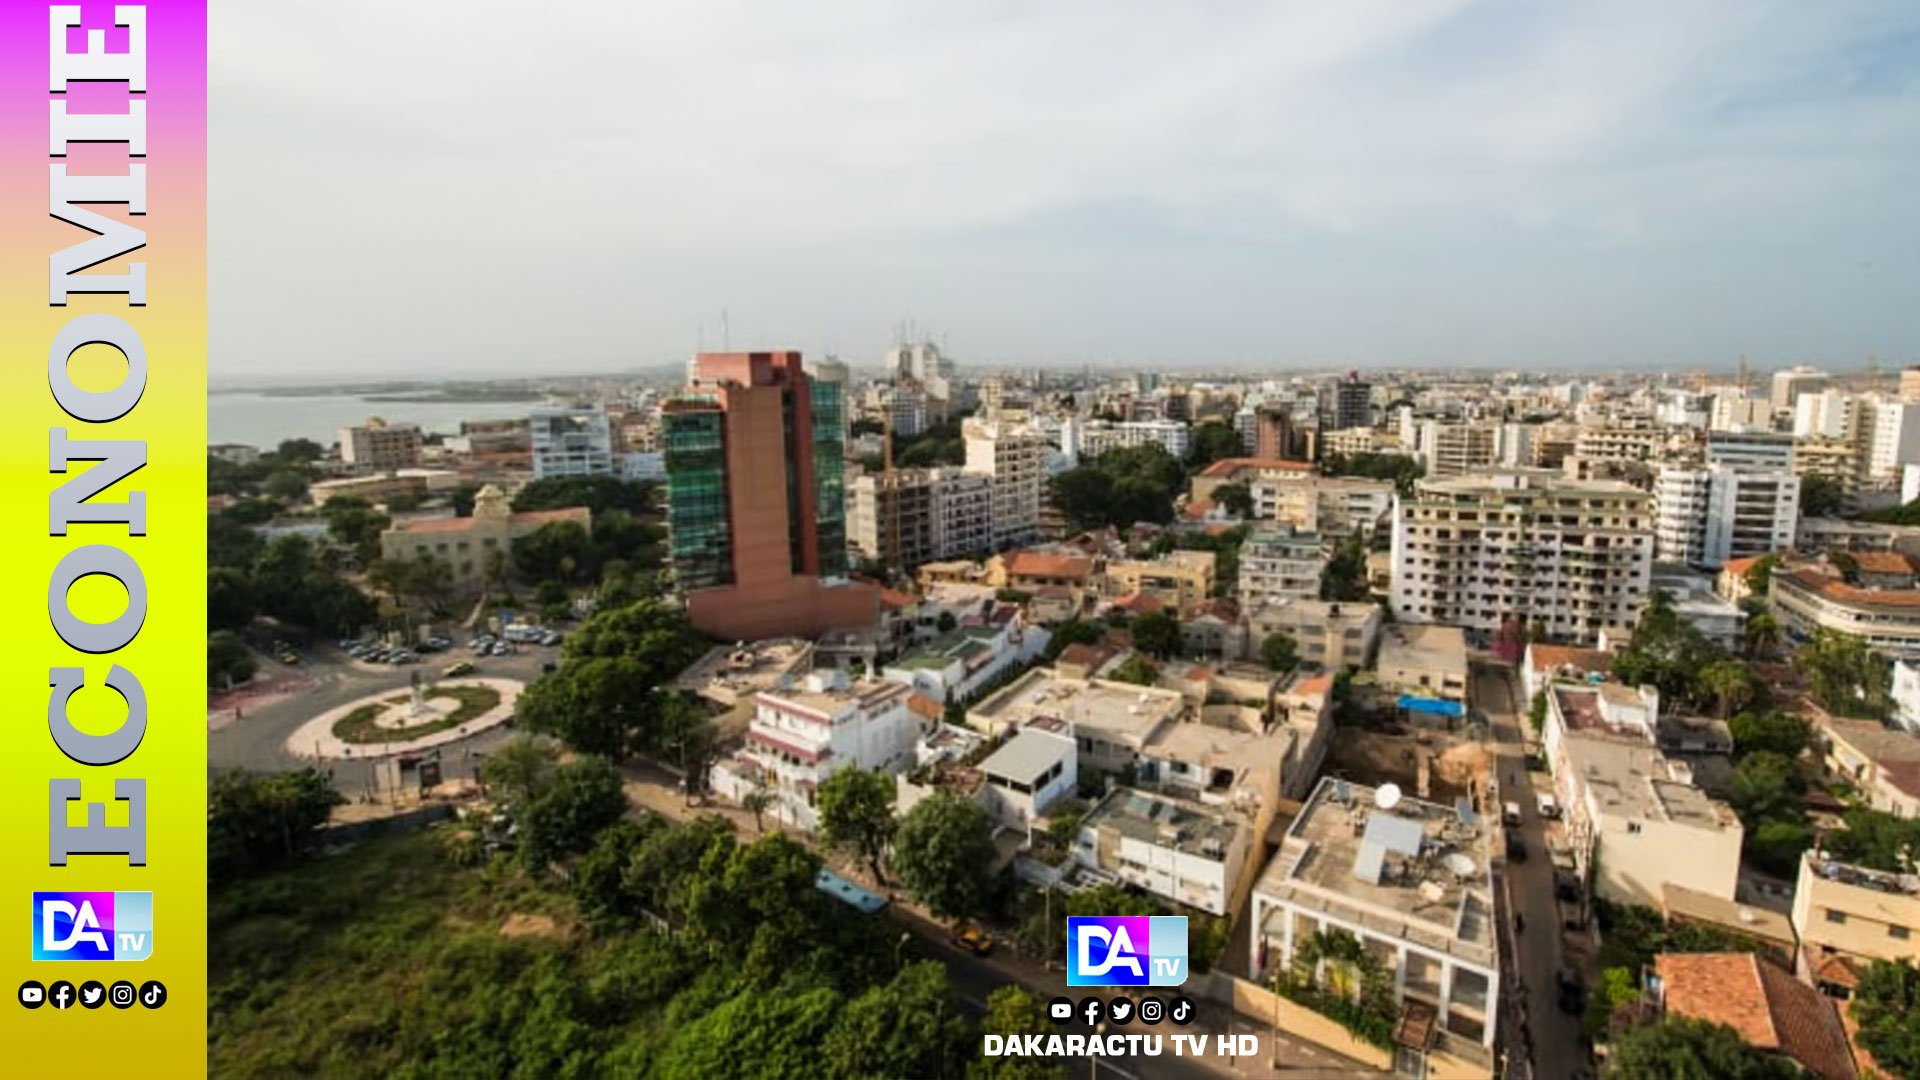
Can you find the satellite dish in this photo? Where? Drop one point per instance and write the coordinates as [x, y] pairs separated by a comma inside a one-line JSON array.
[[1460, 864], [1387, 797]]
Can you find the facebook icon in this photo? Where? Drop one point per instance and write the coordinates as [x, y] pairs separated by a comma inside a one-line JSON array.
[[1126, 950]]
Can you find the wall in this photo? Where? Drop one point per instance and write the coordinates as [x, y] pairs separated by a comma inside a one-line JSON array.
[[1634, 866]]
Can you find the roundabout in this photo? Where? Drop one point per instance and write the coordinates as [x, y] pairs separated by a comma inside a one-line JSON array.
[[406, 719]]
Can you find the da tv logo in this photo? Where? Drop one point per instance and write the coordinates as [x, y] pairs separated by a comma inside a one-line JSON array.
[[92, 925], [1126, 950]]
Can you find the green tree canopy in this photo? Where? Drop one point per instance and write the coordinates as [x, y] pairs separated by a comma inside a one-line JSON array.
[[261, 823], [229, 661], [1211, 441], [597, 493], [1886, 1006], [1845, 676], [582, 797], [944, 852], [856, 813], [1772, 732], [1014, 1013], [911, 1026], [1157, 633], [1280, 652], [1676, 1049]]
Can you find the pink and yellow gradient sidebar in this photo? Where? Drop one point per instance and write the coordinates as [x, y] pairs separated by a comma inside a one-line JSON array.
[[167, 653]]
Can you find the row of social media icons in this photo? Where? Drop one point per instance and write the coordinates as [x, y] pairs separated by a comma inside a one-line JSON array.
[[91, 994], [1121, 1010]]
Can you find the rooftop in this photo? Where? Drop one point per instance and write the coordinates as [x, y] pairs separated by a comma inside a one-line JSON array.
[[1696, 906], [1634, 780], [1167, 822], [1562, 659], [1038, 564], [1025, 756], [728, 672], [1417, 646], [1768, 1007], [1119, 711], [825, 703], [1417, 871], [1226, 467], [968, 644], [1836, 591]]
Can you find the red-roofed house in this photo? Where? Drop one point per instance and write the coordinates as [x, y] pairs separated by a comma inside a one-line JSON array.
[[1884, 569], [1772, 1010], [464, 544], [1545, 664]]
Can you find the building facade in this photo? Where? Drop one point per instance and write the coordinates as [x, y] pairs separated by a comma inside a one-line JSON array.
[[1014, 461], [381, 447], [473, 547], [570, 440], [1705, 517]]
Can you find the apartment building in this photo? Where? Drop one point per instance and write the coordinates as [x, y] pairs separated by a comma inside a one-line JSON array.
[[931, 514], [1570, 557], [1412, 881], [1619, 443], [1032, 771], [1766, 451], [798, 738], [1178, 579], [378, 446], [1185, 853], [1100, 436], [570, 440], [1328, 635], [1888, 620], [1352, 403], [1788, 385], [1733, 410], [1112, 722], [1704, 517], [1278, 563], [1344, 442], [1014, 460], [1457, 449], [1853, 914], [1633, 817], [1881, 764], [1894, 440]]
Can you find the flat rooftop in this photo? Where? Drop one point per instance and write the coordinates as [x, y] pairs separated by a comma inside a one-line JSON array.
[[728, 673], [1028, 754], [1418, 871], [1420, 646], [868, 694], [1166, 822], [1118, 711], [1635, 780]]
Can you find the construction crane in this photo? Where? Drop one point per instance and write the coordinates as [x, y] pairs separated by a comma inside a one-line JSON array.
[[1744, 378]]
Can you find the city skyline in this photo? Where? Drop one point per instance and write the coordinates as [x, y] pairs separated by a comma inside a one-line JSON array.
[[1485, 183]]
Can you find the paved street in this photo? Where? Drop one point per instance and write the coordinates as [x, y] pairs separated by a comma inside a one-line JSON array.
[[256, 739], [1554, 1036]]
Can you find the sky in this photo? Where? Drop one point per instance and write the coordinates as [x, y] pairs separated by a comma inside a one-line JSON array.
[[485, 188]]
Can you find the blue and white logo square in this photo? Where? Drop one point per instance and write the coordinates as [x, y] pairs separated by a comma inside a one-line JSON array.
[[1126, 950], [92, 925]]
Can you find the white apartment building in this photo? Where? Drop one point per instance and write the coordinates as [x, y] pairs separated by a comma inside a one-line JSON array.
[[1906, 696], [1032, 771], [1278, 563], [799, 738], [1183, 852], [1888, 620], [1790, 384], [904, 408], [1617, 443], [381, 447], [1100, 436], [941, 514], [1329, 505], [1733, 410], [570, 440], [1895, 438], [1014, 460], [1412, 881], [1572, 557], [1825, 414], [1455, 449], [1764, 450], [1704, 517]]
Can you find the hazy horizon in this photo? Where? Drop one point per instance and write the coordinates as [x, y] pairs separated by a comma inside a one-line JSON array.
[[1485, 184]]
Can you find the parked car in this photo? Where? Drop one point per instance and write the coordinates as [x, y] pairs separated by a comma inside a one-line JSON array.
[[1510, 813], [462, 667], [1566, 887], [970, 937], [1572, 992], [1516, 847], [1547, 807], [500, 648]]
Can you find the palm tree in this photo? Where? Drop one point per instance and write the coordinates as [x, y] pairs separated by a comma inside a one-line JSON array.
[[1762, 634], [1730, 682], [757, 802]]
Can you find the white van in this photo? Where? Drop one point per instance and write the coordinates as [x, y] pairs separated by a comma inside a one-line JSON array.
[[1510, 813], [1547, 807]]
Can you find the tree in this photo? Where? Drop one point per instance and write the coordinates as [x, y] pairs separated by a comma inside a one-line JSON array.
[[583, 797], [1729, 682], [259, 823], [1211, 441], [754, 1036], [757, 802], [1678, 1049], [947, 622], [1766, 786], [595, 703], [557, 551], [1345, 576], [295, 452], [1537, 713], [944, 852], [1848, 566], [462, 499], [229, 661], [1280, 652], [911, 1026], [1136, 669], [355, 524], [599, 882], [1157, 633], [597, 493], [1072, 632], [1878, 841], [1845, 676], [1884, 1006], [1013, 1013], [1821, 496], [856, 813], [286, 485], [522, 769], [1236, 499], [231, 604], [1402, 469], [1760, 634], [1771, 732], [1759, 576]]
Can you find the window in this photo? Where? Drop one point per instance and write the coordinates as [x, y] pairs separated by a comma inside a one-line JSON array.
[[1837, 917], [1900, 933]]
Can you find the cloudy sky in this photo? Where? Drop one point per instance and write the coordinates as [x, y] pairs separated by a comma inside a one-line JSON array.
[[484, 187]]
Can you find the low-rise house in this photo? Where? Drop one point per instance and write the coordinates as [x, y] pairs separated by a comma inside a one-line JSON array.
[[1881, 763], [1112, 722], [958, 664], [1769, 932], [1853, 915], [1181, 852], [1031, 771], [730, 674], [1770, 1009], [1212, 629], [1328, 635], [1543, 664], [1425, 661], [1884, 570], [1178, 579]]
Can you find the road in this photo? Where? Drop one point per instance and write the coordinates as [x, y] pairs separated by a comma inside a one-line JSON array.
[[1554, 1036], [257, 740]]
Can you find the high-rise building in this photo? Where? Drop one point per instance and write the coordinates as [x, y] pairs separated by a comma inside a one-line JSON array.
[[1279, 435], [1705, 517], [1910, 384], [1014, 458], [941, 514], [1765, 450], [1569, 557], [755, 506], [381, 447], [571, 440], [1100, 436], [1895, 438], [1456, 449], [1352, 403], [1788, 385]]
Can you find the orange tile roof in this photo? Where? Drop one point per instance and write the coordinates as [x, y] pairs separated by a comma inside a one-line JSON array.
[[1085, 655], [1229, 466], [1554, 657], [1039, 564], [1140, 603], [1768, 1007], [1199, 674], [1740, 566], [1834, 589], [1882, 562], [1199, 508], [894, 598], [1317, 684], [925, 706]]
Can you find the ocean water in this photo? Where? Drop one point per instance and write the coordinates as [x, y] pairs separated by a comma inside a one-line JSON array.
[[263, 420]]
